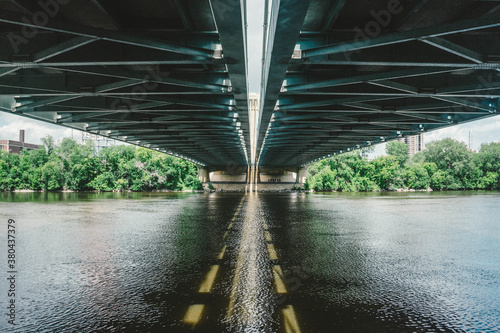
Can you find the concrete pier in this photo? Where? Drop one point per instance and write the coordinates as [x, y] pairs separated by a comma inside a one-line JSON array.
[[203, 175], [260, 179]]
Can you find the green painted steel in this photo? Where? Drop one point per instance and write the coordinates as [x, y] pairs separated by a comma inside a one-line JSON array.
[[362, 72], [171, 76], [337, 75]]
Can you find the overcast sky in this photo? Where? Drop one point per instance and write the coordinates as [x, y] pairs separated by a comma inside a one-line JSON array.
[[483, 131]]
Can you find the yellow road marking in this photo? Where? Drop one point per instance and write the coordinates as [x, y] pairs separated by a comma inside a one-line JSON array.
[[225, 235], [238, 209], [268, 236], [193, 314], [272, 252], [278, 281], [243, 309], [266, 226], [222, 252], [291, 323], [207, 284]]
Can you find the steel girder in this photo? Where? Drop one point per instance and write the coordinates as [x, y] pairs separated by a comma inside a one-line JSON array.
[[355, 73], [170, 75]]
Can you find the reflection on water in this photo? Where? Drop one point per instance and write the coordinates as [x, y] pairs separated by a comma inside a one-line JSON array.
[[406, 262], [250, 297], [334, 262]]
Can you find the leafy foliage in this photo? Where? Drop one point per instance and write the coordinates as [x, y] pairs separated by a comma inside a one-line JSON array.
[[348, 173], [399, 150], [73, 166], [444, 165]]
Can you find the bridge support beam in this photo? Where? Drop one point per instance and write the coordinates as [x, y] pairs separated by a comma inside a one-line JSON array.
[[203, 175], [276, 178], [267, 178], [276, 175], [301, 175]]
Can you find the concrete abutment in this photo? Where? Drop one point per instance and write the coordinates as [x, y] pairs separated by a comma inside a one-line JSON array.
[[251, 179]]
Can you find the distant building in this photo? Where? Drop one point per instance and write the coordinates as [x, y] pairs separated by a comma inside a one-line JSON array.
[[254, 104], [16, 147], [415, 143], [99, 141]]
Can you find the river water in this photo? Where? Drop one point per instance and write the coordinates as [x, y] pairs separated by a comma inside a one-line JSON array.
[[267, 262]]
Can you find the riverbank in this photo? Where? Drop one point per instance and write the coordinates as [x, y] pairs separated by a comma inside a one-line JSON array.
[[293, 190], [96, 191]]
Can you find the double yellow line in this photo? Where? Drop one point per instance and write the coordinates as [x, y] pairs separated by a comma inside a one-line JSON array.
[[195, 311], [290, 322]]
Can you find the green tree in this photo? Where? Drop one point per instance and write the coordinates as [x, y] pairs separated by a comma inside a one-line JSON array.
[[327, 177], [52, 177], [346, 172], [48, 144], [417, 177], [4, 175], [490, 156], [70, 165], [192, 182], [399, 150], [103, 182], [488, 161], [80, 164], [452, 157], [438, 179], [446, 153], [489, 181], [387, 172]]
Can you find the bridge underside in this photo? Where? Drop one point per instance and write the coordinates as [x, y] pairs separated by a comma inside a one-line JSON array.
[[167, 75], [347, 74], [172, 75]]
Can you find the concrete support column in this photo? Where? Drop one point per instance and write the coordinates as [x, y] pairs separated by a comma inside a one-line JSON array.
[[301, 175], [203, 175]]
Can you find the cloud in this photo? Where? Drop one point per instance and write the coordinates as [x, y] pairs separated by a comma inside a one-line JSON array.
[[11, 124], [379, 150], [482, 131]]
